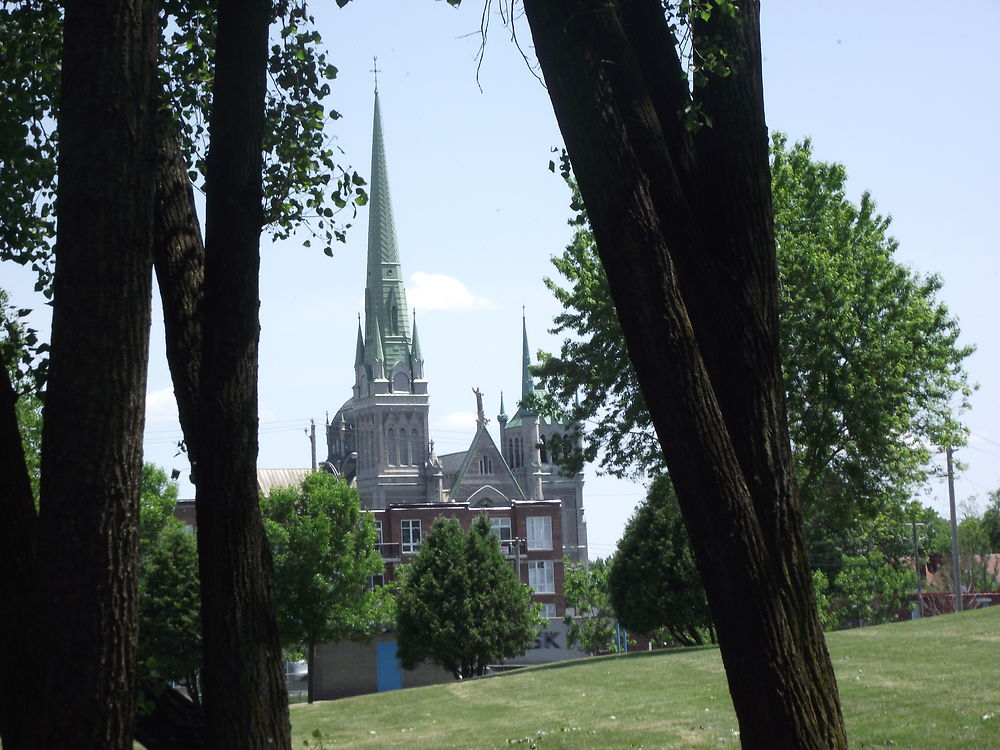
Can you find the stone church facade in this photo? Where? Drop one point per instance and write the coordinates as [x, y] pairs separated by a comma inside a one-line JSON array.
[[379, 438]]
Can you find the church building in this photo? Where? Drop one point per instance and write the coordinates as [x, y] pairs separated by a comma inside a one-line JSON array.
[[379, 438]]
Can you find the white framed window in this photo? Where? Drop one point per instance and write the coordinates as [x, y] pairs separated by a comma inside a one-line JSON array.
[[409, 534], [549, 610], [500, 528], [378, 533], [378, 579], [542, 576], [539, 532]]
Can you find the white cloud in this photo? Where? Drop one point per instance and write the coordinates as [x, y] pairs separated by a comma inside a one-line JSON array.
[[436, 291], [161, 406]]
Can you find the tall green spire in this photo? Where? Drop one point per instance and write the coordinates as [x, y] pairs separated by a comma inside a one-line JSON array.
[[385, 295]]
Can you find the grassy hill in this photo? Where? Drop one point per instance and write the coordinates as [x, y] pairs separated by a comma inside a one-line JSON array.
[[928, 684]]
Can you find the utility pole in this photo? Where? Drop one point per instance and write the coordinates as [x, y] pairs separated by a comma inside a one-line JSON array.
[[956, 570], [311, 432]]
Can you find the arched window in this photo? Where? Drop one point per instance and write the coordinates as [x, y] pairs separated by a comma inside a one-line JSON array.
[[404, 458], [416, 454], [400, 382], [543, 453], [391, 441]]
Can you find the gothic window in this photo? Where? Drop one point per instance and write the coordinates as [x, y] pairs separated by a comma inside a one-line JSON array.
[[543, 452], [400, 382], [485, 465], [416, 455], [391, 440], [519, 448], [394, 320], [404, 457], [510, 452]]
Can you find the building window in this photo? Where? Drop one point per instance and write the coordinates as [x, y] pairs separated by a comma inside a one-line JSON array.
[[416, 455], [378, 580], [378, 533], [391, 444], [539, 532], [543, 452], [500, 528], [518, 453], [541, 576], [404, 459], [549, 610], [409, 535], [485, 465]]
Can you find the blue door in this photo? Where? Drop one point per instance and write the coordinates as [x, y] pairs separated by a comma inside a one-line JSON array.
[[388, 675]]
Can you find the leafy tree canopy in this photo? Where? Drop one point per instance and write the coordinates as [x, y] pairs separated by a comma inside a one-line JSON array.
[[873, 370], [303, 183], [170, 607], [460, 603], [324, 556], [585, 588]]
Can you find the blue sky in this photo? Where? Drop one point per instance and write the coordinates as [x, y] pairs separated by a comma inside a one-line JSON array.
[[906, 99]]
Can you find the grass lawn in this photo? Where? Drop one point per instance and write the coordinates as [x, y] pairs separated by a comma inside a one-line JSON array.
[[928, 684]]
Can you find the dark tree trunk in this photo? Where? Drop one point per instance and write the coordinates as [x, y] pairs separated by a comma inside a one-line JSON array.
[[683, 225], [18, 534], [244, 697], [95, 400], [179, 260]]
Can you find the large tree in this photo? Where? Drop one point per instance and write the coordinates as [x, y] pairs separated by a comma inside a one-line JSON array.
[[324, 557], [672, 163], [872, 369], [71, 569], [460, 603]]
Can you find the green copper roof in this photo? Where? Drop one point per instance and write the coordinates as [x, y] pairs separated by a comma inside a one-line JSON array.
[[387, 321]]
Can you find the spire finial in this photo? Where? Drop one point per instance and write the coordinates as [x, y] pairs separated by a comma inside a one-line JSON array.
[[375, 71]]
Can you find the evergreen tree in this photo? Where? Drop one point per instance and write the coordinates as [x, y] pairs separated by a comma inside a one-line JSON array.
[[460, 604], [654, 582]]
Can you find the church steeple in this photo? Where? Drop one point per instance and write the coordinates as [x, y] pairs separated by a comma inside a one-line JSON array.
[[387, 324], [527, 382]]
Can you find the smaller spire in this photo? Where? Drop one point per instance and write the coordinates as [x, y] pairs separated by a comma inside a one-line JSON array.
[[415, 346], [502, 416], [377, 354], [359, 356], [527, 382]]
